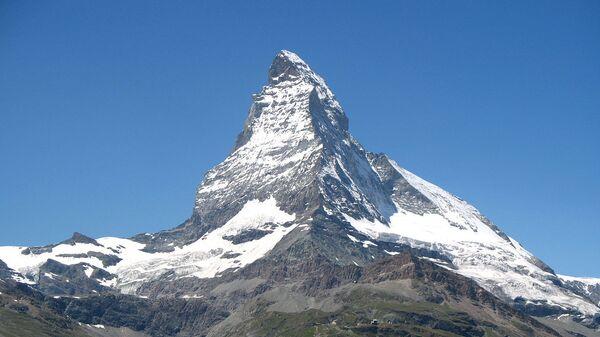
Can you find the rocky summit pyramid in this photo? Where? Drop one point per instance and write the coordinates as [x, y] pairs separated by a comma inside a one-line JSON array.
[[297, 209]]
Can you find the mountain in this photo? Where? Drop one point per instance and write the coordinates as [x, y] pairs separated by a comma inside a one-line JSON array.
[[301, 222]]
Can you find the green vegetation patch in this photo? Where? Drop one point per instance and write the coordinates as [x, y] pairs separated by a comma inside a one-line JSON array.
[[17, 324]]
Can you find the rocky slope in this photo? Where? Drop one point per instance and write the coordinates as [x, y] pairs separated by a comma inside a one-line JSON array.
[[298, 187], [584, 286], [26, 312], [298, 294]]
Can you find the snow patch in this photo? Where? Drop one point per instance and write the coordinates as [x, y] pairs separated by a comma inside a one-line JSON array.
[[88, 271], [353, 238]]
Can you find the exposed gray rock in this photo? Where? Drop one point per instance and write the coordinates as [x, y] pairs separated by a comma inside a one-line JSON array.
[[247, 235], [230, 255], [107, 259], [57, 279], [585, 289], [76, 238], [5, 272]]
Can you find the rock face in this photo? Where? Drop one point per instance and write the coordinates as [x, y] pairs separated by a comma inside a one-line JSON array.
[[296, 148], [300, 203], [587, 287]]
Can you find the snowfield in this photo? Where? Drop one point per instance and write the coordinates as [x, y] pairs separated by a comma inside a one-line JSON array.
[[203, 258]]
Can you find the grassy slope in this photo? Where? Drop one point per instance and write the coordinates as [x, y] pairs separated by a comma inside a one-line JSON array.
[[17, 324], [23, 314], [397, 317]]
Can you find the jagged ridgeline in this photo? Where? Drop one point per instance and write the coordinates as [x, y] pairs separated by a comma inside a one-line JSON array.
[[300, 231]]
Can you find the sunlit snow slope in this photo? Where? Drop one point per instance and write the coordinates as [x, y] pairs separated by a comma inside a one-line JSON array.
[[212, 254]]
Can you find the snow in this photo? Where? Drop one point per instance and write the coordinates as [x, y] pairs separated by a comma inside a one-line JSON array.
[[280, 147], [293, 57], [20, 278], [475, 249], [453, 209], [28, 264], [584, 280], [88, 271], [426, 227], [194, 296], [588, 285], [304, 227], [368, 243], [254, 214], [201, 258], [353, 238]]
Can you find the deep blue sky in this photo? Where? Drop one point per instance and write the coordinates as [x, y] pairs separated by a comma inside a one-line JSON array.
[[111, 112]]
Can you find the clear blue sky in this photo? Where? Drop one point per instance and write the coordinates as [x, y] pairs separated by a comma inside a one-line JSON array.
[[111, 112]]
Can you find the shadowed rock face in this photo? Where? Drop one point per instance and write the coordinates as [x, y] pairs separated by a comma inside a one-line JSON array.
[[5, 272], [247, 235], [57, 279], [76, 238], [107, 259]]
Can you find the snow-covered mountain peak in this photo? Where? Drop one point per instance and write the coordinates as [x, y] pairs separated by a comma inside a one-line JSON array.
[[296, 170], [288, 66], [295, 147], [295, 102]]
